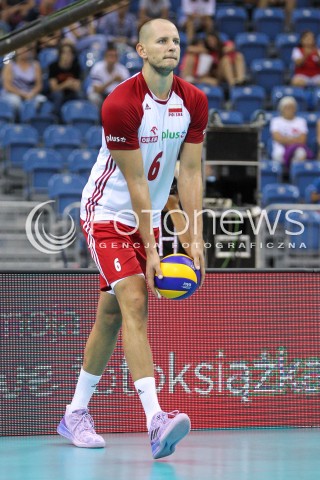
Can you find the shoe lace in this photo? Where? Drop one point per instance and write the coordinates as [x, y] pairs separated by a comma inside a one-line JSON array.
[[85, 420]]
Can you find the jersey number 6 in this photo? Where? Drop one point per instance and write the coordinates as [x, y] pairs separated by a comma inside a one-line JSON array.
[[154, 167]]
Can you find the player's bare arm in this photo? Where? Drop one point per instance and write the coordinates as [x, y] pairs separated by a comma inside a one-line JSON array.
[[190, 194], [131, 165]]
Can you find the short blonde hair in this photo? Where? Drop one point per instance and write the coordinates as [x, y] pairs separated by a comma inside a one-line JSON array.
[[285, 101]]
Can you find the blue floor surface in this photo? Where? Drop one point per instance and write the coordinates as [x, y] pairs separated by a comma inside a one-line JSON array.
[[289, 454]]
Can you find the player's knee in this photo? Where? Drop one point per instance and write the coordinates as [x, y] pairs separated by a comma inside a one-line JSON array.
[[112, 321], [135, 310], [138, 303]]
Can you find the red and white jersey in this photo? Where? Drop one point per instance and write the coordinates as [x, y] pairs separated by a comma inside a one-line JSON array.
[[133, 118]]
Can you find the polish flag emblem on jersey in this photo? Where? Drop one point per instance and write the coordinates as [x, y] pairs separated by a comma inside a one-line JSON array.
[[175, 110]]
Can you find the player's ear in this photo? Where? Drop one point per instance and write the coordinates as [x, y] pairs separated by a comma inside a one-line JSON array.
[[141, 50]]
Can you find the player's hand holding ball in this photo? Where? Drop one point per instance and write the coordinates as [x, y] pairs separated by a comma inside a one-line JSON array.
[[180, 277]]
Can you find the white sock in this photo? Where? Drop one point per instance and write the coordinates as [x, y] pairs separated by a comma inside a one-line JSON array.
[[84, 390], [146, 389]]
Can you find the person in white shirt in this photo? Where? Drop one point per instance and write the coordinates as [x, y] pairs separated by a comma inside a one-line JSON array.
[[197, 15], [147, 122], [105, 76], [289, 134], [149, 9]]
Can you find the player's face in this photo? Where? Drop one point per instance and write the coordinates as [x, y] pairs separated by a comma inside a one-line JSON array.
[[163, 48]]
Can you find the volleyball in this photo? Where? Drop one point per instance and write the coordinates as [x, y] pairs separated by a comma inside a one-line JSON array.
[[180, 277]]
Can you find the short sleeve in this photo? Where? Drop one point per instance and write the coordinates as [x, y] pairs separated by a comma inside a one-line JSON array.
[[274, 125], [296, 54], [199, 119], [120, 123], [303, 126]]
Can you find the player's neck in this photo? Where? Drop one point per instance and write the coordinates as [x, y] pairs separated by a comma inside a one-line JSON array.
[[159, 85]]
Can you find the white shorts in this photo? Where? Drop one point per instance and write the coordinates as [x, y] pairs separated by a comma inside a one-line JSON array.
[[199, 7]]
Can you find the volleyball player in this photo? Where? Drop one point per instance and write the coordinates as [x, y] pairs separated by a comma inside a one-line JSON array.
[[147, 120]]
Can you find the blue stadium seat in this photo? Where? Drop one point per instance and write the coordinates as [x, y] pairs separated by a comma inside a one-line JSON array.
[[3, 129], [271, 173], [40, 164], [303, 174], [313, 188], [63, 138], [92, 42], [247, 99], [39, 115], [132, 62], [87, 58], [93, 138], [32, 107], [282, 91], [46, 56], [311, 119], [7, 113], [214, 94], [231, 20], [81, 161], [16, 140], [65, 189], [316, 99], [305, 229], [268, 72], [269, 21], [279, 193], [252, 45], [306, 19], [231, 117], [81, 114], [285, 43]]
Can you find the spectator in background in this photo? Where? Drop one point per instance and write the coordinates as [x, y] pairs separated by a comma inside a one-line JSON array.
[[210, 61], [289, 134], [78, 30], [106, 75], [46, 7], [197, 16], [306, 58], [288, 5], [15, 12], [22, 78], [119, 26], [64, 77], [149, 9], [52, 40], [199, 65]]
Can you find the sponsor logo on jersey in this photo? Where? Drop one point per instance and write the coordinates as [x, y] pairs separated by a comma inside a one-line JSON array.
[[172, 135], [175, 111], [149, 139], [147, 107], [152, 139], [111, 138]]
